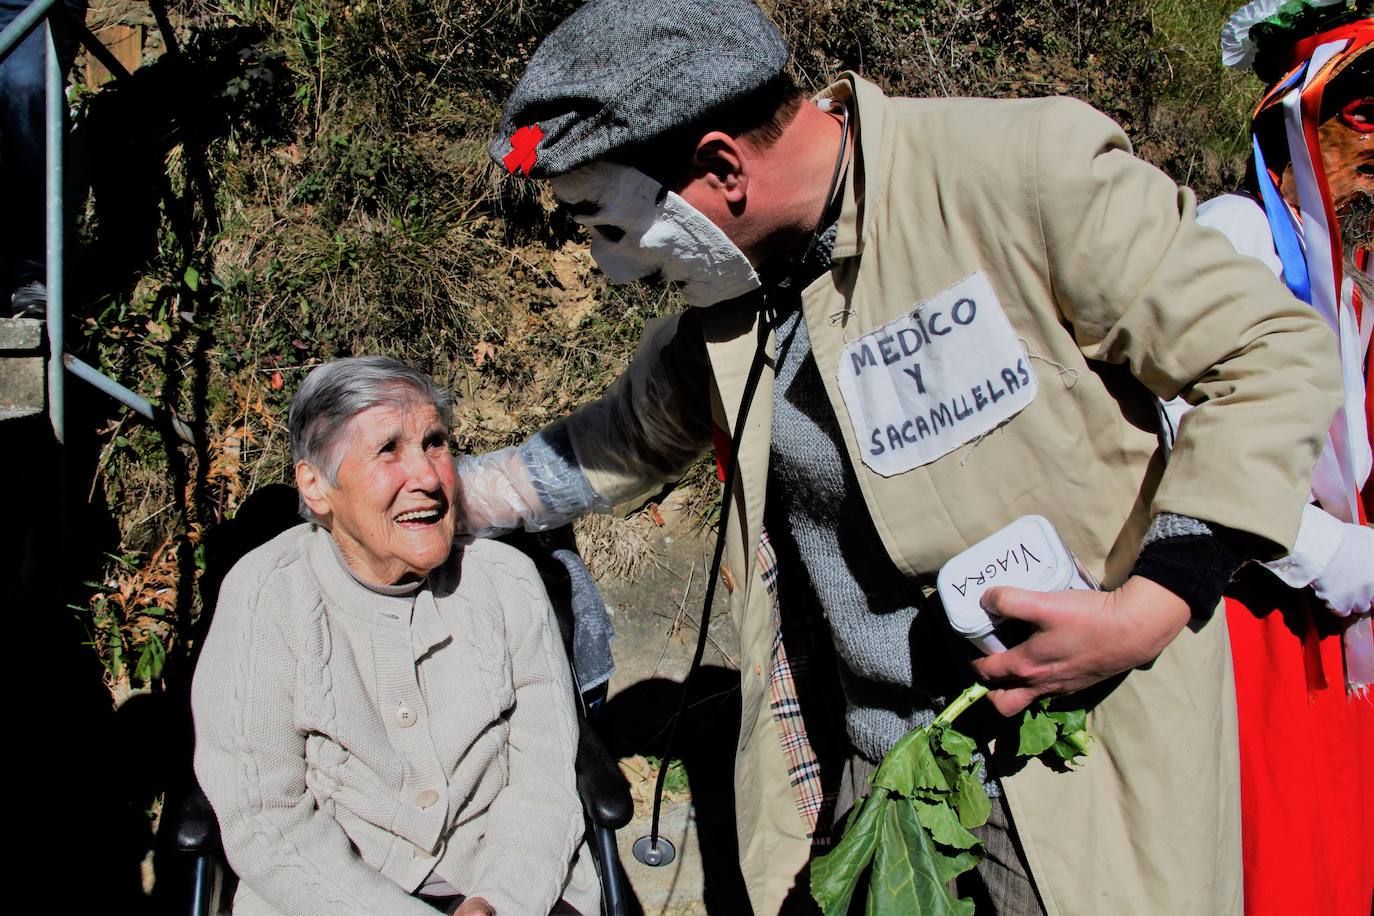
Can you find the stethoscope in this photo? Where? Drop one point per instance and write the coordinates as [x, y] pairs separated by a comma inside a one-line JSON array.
[[655, 850]]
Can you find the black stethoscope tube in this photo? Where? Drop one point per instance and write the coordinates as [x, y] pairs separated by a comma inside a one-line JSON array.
[[650, 853]]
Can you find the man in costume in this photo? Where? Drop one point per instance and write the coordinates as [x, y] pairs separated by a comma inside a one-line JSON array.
[[1306, 722], [921, 320]]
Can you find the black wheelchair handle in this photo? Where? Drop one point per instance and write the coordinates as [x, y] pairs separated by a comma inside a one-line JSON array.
[[603, 789]]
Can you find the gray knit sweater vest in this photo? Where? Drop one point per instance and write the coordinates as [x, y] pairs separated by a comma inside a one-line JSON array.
[[895, 664]]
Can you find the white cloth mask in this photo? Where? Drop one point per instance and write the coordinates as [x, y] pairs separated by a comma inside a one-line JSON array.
[[639, 228]]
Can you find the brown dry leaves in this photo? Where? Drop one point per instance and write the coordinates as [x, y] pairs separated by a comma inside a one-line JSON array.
[[641, 775], [134, 605], [484, 350], [574, 297]]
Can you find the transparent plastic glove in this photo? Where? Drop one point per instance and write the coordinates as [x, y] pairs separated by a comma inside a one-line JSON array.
[[1346, 585], [647, 428], [653, 421], [535, 486]]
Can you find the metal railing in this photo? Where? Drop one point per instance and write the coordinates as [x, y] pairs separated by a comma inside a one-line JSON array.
[[55, 120]]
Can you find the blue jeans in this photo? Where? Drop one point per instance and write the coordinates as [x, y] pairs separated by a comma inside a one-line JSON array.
[[22, 143]]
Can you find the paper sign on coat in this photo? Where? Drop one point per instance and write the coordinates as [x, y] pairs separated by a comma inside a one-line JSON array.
[[945, 373]]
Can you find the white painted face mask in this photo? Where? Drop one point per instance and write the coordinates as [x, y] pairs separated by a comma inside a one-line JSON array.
[[639, 229]]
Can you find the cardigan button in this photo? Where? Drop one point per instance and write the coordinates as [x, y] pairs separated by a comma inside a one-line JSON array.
[[405, 716], [426, 798]]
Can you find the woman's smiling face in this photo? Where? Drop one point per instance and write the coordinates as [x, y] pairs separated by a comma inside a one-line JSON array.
[[391, 511]]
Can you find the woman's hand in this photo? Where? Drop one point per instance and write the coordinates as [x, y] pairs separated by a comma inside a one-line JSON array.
[[474, 905], [1080, 638]]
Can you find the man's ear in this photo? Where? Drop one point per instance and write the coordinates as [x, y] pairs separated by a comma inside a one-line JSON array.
[[314, 489], [721, 159]]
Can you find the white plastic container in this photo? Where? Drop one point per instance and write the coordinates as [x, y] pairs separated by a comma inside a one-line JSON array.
[[1028, 554]]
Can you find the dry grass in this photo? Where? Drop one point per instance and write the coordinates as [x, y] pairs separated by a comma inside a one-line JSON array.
[[617, 548]]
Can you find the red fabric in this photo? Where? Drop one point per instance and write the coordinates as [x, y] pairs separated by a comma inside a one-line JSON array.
[[1303, 50], [524, 149], [1307, 809], [722, 442]]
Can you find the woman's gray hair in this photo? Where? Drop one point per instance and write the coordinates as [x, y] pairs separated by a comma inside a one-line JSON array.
[[334, 393]]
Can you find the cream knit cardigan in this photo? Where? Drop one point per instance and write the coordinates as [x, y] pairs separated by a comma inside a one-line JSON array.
[[352, 743]]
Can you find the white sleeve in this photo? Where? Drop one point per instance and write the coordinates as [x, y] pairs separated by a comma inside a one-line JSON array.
[[643, 433], [1318, 537], [1346, 585], [1241, 219]]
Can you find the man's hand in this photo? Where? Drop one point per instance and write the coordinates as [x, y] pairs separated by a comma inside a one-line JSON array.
[[1080, 638], [495, 493], [475, 905]]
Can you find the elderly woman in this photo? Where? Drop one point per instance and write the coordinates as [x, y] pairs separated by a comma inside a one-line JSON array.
[[383, 712]]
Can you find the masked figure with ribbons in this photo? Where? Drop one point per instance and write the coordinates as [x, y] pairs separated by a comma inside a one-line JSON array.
[[1303, 655]]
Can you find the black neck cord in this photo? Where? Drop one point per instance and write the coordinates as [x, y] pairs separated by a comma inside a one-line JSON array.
[[731, 472], [650, 853]]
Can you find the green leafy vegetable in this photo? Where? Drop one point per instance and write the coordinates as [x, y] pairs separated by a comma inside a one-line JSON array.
[[971, 800], [911, 765], [835, 875], [1070, 720], [957, 745], [906, 879], [910, 835], [1038, 734], [952, 866], [1062, 732], [939, 818]]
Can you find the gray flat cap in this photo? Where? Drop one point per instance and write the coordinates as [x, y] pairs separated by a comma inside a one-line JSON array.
[[617, 73]]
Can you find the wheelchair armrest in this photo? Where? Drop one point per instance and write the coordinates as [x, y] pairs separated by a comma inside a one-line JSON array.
[[197, 830], [605, 793]]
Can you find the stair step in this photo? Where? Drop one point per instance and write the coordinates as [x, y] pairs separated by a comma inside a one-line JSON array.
[[23, 388]]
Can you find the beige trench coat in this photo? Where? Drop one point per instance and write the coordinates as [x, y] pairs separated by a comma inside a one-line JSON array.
[[1098, 265]]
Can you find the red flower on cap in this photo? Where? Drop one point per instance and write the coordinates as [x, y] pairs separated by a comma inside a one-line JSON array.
[[523, 153]]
